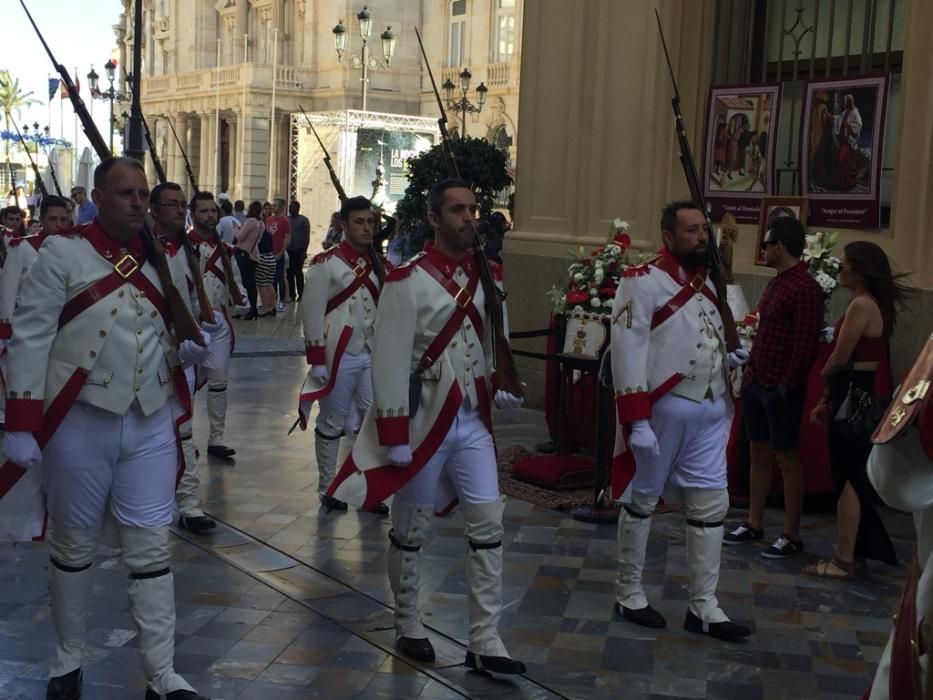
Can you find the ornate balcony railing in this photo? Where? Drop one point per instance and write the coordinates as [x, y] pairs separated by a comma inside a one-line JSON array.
[[257, 76]]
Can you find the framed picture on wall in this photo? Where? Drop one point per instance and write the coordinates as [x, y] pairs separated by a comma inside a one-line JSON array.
[[773, 208]]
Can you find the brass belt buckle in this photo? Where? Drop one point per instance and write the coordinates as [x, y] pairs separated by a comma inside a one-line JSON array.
[[697, 283], [468, 298], [360, 269], [126, 266]]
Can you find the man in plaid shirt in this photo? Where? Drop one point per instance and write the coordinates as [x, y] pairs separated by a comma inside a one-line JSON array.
[[785, 348]]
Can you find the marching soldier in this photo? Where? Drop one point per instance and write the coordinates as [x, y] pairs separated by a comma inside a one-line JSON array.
[[168, 207], [204, 236], [901, 470], [339, 312], [669, 371], [428, 438], [94, 383]]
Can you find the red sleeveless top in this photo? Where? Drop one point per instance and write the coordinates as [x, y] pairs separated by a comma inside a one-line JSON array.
[[866, 349]]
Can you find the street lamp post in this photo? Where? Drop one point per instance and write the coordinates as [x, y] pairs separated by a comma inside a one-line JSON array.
[[463, 104], [93, 79], [364, 60]]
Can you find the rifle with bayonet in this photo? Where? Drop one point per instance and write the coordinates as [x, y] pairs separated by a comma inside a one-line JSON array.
[[185, 327], [374, 250], [506, 372], [156, 163], [232, 287], [35, 169], [716, 267]]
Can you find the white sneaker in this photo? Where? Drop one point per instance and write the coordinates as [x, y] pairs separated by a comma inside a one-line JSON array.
[[281, 306]]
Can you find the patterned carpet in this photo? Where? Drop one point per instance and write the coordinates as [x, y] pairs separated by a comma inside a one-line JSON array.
[[539, 496]]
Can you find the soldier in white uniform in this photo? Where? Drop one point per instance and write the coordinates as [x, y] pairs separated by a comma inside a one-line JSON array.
[[339, 311], [168, 207], [93, 381], [428, 437], [900, 468], [674, 411], [203, 235]]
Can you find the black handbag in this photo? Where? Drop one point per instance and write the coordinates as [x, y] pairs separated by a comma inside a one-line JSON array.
[[859, 414]]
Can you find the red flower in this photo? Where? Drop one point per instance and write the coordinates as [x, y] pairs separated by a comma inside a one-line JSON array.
[[607, 292], [623, 240], [577, 297], [587, 262]]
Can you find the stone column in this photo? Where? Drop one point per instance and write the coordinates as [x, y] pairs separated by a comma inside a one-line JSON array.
[[205, 173]]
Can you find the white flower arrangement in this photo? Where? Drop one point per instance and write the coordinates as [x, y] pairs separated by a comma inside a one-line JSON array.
[[822, 265]]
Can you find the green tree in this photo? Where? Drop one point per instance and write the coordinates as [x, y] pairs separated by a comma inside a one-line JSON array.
[[481, 164], [12, 100]]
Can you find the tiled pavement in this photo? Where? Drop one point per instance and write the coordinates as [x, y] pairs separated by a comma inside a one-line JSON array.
[[284, 601]]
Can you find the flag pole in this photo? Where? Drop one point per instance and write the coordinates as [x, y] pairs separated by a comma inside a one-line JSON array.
[[272, 153]]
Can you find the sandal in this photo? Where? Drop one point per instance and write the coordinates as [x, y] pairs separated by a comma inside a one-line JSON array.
[[822, 570]]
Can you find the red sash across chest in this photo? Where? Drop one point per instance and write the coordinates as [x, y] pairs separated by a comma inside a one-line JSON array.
[[463, 297], [690, 285], [361, 269]]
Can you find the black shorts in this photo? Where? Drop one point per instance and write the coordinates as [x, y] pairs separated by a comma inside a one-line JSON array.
[[769, 417]]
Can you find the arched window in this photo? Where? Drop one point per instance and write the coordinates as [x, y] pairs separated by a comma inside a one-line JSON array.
[[501, 139], [456, 42]]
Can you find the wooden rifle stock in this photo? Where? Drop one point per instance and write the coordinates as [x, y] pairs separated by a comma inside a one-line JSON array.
[[506, 373], [374, 253], [715, 263], [186, 328]]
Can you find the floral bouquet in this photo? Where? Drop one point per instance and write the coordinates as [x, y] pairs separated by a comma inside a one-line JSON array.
[[821, 263], [592, 280]]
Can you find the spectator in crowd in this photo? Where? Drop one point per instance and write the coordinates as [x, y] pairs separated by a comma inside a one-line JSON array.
[[278, 226], [265, 272], [785, 348], [86, 210], [228, 224], [334, 232], [300, 229], [247, 255], [860, 347], [239, 212]]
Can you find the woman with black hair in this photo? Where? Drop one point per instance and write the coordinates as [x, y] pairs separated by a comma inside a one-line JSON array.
[[860, 347]]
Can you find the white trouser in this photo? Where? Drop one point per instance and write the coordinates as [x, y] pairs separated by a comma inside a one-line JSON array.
[[693, 438], [467, 457], [340, 412], [186, 494], [95, 455], [217, 404]]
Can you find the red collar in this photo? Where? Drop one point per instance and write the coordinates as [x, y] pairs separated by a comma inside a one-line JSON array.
[[198, 239], [351, 254], [447, 264], [672, 266], [109, 247]]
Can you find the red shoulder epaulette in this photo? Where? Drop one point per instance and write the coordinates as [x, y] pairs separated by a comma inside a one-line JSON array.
[[495, 269], [641, 269], [404, 270], [324, 255], [72, 230]]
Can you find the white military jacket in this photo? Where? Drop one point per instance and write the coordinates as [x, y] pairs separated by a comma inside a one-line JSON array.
[[111, 346], [21, 253], [419, 301], [666, 335], [338, 310], [212, 270]]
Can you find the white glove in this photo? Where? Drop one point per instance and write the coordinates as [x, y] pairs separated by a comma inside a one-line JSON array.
[[506, 401], [218, 326], [320, 373], [643, 441], [20, 447], [738, 357], [190, 353], [399, 455], [827, 334]]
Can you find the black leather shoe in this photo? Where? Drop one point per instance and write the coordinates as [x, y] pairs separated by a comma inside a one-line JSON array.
[[494, 664], [176, 695], [197, 524], [417, 649], [378, 509], [725, 631], [220, 451], [67, 687], [646, 616], [330, 503]]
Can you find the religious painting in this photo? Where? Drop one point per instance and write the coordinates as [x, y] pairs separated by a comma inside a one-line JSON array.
[[773, 208], [840, 158], [741, 123]]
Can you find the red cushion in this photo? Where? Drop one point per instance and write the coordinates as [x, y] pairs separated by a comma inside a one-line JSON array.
[[554, 471]]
